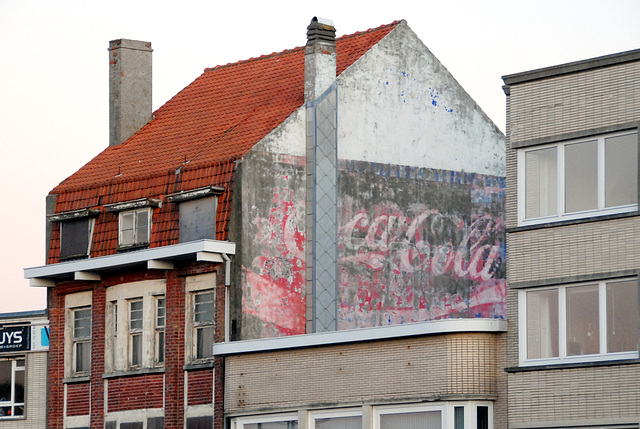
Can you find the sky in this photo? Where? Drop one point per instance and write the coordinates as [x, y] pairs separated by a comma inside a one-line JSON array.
[[54, 73]]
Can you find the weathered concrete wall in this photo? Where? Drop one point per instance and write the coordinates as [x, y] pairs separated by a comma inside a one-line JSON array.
[[419, 244], [415, 244], [421, 202], [399, 105]]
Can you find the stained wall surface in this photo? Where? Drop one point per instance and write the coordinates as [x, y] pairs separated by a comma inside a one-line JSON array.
[[420, 203]]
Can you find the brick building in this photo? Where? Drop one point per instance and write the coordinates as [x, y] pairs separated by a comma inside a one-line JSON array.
[[309, 238], [572, 207], [24, 341]]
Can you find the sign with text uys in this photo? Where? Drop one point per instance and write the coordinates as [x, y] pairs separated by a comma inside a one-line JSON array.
[[14, 338]]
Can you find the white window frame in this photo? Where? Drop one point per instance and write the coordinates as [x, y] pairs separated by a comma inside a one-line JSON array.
[[135, 333], [563, 358], [136, 241], [11, 402], [118, 329], [195, 285], [160, 327], [73, 303], [561, 215], [328, 414], [240, 422]]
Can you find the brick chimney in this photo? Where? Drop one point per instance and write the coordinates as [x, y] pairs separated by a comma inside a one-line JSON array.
[[321, 247], [320, 58], [129, 88]]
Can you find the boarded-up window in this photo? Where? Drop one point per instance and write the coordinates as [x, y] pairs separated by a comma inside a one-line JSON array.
[[198, 219], [75, 238]]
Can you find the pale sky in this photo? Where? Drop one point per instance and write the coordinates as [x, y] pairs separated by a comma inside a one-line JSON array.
[[54, 73]]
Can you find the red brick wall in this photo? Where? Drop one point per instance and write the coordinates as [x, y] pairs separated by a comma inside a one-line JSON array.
[[200, 384], [131, 393], [78, 399]]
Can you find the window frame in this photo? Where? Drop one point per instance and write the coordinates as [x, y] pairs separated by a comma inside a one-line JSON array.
[[194, 286], [561, 214], [160, 329], [81, 340], [11, 402], [328, 414], [118, 329], [240, 422], [135, 332], [136, 240], [563, 357]]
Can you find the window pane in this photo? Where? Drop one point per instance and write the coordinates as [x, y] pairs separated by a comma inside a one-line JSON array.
[[160, 352], [420, 420], [19, 387], [126, 229], [136, 350], [458, 417], [483, 417], [204, 307], [622, 316], [272, 425], [581, 176], [204, 342], [542, 324], [82, 323], [352, 422], [583, 327], [74, 238], [5, 380], [135, 321], [621, 170], [541, 183], [160, 313], [83, 355], [142, 226]]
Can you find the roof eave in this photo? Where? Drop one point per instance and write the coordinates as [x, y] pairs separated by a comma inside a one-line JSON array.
[[154, 258]]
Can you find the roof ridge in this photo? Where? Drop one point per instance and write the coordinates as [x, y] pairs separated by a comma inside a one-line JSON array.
[[297, 48]]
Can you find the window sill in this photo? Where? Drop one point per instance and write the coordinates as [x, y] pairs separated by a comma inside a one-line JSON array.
[[197, 366], [78, 379], [133, 372], [517, 369], [555, 223], [132, 247]]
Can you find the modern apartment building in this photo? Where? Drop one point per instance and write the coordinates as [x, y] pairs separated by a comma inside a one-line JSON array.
[[572, 213], [310, 238], [24, 344]]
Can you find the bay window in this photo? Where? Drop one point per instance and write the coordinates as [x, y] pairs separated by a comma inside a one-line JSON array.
[[581, 322], [578, 179]]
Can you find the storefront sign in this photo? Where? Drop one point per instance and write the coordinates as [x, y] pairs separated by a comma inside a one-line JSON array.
[[14, 338]]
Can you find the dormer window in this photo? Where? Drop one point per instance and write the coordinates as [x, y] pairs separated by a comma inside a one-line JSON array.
[[76, 231], [134, 222], [134, 227], [198, 208]]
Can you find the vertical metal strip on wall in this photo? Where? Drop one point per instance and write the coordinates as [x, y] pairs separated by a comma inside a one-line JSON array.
[[322, 208]]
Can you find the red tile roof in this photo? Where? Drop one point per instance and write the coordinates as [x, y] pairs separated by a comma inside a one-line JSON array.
[[195, 139]]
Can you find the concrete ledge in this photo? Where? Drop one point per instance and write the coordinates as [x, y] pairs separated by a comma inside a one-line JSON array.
[[445, 326]]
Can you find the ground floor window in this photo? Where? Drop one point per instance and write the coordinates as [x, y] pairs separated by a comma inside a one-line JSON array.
[[12, 386], [436, 415]]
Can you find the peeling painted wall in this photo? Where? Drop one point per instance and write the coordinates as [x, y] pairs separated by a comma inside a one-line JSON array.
[[421, 202], [419, 244]]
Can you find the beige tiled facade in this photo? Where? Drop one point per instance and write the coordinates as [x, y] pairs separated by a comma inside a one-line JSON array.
[[547, 106], [425, 369], [35, 402]]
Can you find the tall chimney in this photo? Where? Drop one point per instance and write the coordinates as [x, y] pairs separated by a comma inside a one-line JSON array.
[[320, 58], [321, 247], [129, 88]]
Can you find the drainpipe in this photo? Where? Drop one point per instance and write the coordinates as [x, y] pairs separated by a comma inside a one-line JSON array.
[[227, 284]]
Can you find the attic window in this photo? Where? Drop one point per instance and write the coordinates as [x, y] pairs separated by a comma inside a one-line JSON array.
[[134, 221], [198, 210], [76, 231]]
